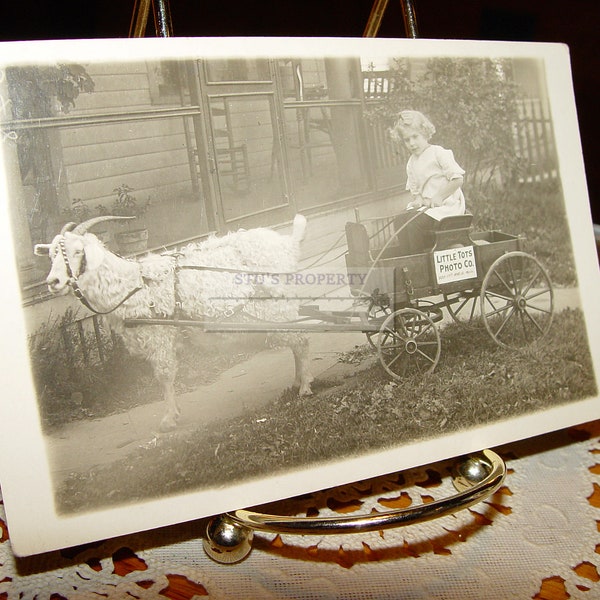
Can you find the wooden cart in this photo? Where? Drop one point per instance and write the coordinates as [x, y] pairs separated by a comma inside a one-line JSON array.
[[401, 299], [473, 276]]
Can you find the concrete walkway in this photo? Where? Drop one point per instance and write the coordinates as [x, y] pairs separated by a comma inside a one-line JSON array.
[[255, 383]]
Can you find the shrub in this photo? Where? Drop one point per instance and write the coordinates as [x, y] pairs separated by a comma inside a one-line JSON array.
[[75, 379], [535, 211], [60, 375], [473, 105]]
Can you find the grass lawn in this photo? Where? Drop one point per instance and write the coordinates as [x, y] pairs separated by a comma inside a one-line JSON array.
[[534, 210], [475, 383]]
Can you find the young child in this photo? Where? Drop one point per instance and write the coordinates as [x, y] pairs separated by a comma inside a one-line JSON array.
[[434, 180]]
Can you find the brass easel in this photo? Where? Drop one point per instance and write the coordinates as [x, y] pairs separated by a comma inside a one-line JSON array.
[[162, 18], [229, 536], [378, 11], [164, 28]]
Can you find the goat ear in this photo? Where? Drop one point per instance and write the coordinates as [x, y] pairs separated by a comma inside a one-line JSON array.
[[41, 249], [94, 255]]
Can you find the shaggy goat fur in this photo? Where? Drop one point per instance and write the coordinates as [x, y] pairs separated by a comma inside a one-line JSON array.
[[167, 288]]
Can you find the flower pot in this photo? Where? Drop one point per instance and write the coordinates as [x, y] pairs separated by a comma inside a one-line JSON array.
[[130, 242]]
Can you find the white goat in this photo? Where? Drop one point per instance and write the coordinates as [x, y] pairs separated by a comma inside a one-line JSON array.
[[160, 286]]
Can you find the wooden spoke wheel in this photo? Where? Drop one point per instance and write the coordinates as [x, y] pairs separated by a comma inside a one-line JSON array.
[[375, 314], [517, 300], [408, 342], [431, 309], [463, 306]]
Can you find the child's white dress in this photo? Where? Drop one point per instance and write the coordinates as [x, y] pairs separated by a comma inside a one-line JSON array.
[[428, 172]]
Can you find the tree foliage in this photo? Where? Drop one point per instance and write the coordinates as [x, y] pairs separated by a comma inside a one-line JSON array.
[[473, 104], [40, 92]]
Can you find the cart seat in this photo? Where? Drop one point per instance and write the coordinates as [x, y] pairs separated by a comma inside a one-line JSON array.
[[358, 242], [453, 231], [427, 234], [455, 222], [358, 258]]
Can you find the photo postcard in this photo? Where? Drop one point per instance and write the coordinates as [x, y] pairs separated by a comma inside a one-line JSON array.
[[239, 270]]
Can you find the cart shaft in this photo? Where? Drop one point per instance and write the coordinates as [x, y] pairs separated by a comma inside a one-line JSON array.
[[261, 326]]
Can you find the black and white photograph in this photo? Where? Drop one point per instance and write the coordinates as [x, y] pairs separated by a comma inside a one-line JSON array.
[[241, 270]]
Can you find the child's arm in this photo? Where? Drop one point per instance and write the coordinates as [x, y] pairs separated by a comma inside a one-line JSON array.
[[446, 190], [417, 200]]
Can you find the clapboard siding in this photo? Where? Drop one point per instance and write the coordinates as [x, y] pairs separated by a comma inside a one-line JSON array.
[[113, 101], [128, 164], [151, 183], [97, 70], [151, 156], [124, 81], [115, 84], [134, 130], [147, 132], [118, 149]]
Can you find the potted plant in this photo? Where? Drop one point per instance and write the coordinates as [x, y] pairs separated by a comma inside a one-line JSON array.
[[78, 212], [135, 237]]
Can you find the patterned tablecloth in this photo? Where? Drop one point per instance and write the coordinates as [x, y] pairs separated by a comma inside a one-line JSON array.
[[537, 537]]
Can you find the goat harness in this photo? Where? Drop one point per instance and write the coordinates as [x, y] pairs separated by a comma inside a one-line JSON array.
[[229, 311], [77, 290]]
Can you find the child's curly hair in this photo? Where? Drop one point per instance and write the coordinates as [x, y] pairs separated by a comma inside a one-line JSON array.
[[412, 120]]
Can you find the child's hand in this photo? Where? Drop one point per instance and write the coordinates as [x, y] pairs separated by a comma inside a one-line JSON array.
[[415, 204]]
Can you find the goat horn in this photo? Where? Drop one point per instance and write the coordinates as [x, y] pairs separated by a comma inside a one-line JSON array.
[[83, 227], [67, 227]]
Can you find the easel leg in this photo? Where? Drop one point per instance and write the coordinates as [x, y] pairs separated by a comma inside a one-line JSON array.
[[139, 18], [376, 16], [162, 18]]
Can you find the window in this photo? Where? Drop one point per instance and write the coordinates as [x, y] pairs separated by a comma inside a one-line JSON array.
[[242, 70], [168, 82]]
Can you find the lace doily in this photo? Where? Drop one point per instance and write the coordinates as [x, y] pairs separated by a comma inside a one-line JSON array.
[[537, 537]]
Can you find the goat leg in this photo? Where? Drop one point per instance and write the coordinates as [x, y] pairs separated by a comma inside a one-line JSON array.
[[169, 421], [303, 377]]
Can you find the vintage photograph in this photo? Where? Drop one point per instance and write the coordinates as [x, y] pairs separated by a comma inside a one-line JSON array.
[[233, 269]]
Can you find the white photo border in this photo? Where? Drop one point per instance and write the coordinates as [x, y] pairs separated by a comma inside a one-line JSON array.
[[27, 491]]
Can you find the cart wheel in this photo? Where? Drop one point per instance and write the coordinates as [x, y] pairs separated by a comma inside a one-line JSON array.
[[462, 306], [517, 300], [408, 341], [431, 309], [376, 313]]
